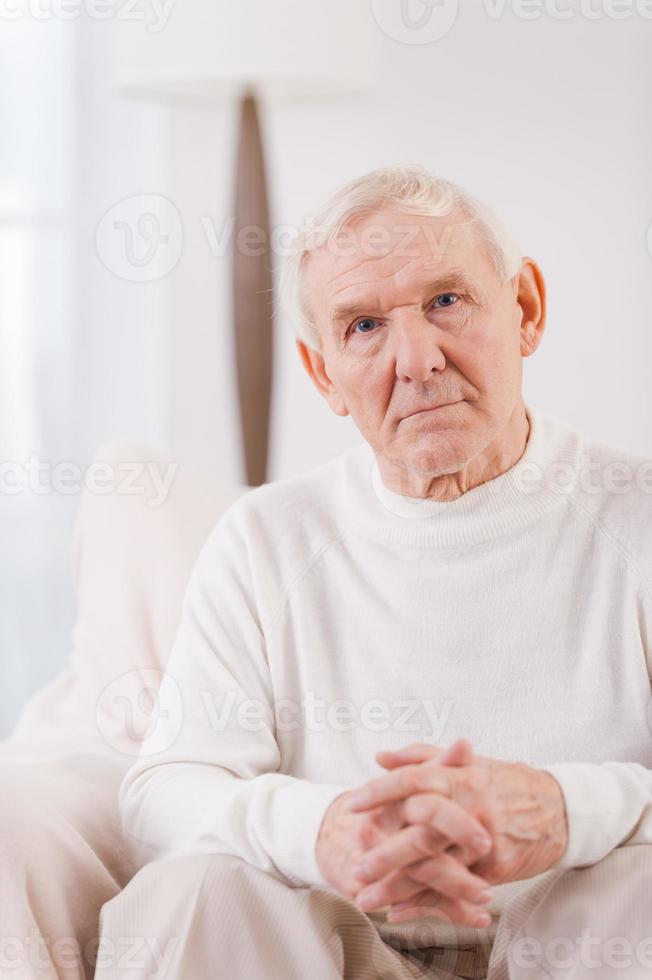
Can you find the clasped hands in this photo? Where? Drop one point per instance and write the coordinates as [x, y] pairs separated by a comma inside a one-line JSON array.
[[433, 834]]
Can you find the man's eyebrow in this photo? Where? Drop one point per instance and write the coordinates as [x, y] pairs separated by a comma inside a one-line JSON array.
[[453, 280]]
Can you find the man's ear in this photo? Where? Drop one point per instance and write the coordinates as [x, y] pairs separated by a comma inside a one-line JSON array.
[[531, 297], [313, 362]]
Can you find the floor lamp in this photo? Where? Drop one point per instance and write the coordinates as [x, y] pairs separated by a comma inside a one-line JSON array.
[[253, 50]]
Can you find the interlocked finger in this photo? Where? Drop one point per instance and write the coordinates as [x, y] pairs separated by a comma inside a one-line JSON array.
[[430, 902], [440, 822], [442, 873]]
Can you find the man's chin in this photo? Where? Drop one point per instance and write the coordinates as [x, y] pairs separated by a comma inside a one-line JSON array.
[[407, 464], [435, 455], [422, 467]]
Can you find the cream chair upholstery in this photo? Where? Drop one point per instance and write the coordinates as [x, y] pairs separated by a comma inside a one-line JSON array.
[[62, 854]]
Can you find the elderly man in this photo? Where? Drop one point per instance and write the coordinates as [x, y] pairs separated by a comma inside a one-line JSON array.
[[405, 728]]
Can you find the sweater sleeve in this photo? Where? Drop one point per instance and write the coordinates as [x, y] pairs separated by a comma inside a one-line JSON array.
[[608, 805], [207, 777]]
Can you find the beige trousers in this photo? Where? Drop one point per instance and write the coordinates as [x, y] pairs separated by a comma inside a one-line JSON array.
[[213, 917], [62, 856]]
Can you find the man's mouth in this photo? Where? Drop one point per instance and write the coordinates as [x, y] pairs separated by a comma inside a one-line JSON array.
[[429, 408]]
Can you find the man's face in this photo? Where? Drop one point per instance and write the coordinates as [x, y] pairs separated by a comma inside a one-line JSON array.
[[412, 315]]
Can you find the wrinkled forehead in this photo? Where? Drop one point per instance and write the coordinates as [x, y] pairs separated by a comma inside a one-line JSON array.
[[393, 249]]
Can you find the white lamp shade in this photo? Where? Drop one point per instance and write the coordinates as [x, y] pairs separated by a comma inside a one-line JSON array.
[[207, 47]]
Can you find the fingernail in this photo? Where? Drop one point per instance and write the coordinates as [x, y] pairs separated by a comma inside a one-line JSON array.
[[482, 920], [481, 843], [484, 897]]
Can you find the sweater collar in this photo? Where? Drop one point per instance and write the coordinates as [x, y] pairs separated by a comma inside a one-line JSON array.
[[543, 477]]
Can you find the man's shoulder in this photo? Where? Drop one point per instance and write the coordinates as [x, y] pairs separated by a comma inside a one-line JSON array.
[[270, 535], [311, 503], [614, 489]]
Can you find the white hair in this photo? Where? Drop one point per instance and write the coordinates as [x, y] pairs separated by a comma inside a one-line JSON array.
[[407, 189]]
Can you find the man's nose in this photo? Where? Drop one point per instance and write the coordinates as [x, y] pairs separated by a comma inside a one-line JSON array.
[[418, 352]]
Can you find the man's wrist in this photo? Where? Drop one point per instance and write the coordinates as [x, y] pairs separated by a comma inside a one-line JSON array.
[[559, 825], [595, 807]]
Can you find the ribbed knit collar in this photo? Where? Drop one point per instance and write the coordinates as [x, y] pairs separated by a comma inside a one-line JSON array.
[[541, 479]]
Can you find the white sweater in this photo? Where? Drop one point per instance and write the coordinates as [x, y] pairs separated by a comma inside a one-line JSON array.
[[328, 617]]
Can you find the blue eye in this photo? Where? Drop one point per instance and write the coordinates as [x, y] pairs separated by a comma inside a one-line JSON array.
[[366, 324], [453, 296], [359, 323]]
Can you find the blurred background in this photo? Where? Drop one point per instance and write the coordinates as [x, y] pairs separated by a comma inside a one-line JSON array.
[[120, 159]]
